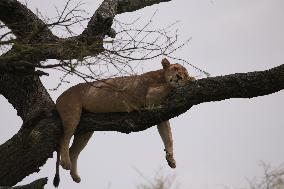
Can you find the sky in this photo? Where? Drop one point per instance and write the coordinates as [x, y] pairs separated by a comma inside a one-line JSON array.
[[216, 144]]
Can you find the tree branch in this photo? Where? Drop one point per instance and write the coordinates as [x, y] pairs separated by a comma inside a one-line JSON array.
[[37, 184], [27, 95], [30, 148], [36, 43], [133, 5], [241, 85], [101, 21], [30, 55], [23, 22]]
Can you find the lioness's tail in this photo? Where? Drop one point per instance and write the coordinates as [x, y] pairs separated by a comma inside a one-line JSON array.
[[56, 178]]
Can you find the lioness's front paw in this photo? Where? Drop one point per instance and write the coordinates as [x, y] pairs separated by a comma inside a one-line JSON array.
[[65, 164], [75, 177], [170, 159], [171, 162]]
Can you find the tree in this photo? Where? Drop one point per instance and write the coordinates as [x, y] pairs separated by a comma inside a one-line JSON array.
[[35, 43]]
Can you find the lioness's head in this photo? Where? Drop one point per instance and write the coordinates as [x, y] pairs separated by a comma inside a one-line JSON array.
[[175, 74]]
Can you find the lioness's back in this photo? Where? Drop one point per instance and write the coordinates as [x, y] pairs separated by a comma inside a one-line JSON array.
[[122, 94]]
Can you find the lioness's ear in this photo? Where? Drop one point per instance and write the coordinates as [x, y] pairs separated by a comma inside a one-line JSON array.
[[165, 63]]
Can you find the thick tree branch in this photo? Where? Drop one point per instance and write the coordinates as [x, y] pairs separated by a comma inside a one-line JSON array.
[[24, 24], [30, 55], [27, 150], [133, 5], [30, 148], [244, 85], [27, 95], [101, 21], [37, 184]]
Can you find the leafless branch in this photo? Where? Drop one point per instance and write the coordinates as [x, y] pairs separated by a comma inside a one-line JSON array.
[[132, 46]]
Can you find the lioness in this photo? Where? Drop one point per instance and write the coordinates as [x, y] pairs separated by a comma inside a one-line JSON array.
[[121, 94]]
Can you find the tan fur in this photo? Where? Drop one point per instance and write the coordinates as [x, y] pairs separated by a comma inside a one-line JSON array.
[[121, 94]]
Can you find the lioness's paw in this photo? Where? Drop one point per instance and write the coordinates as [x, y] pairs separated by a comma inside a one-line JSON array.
[[171, 163], [76, 178], [65, 164], [170, 159]]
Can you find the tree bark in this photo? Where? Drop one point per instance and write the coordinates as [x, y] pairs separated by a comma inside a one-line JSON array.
[[23, 22], [37, 184], [101, 21]]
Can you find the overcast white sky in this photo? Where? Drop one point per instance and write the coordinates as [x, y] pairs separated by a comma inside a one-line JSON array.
[[216, 144]]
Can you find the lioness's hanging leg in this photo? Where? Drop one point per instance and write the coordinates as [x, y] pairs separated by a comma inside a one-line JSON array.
[[155, 96], [70, 116], [79, 142], [164, 129]]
